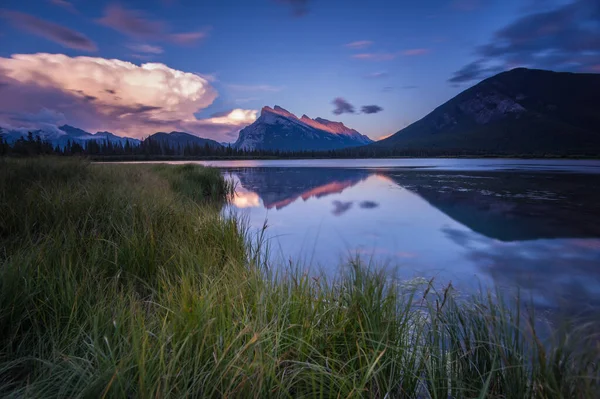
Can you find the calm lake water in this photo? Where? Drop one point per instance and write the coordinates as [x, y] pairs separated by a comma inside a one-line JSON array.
[[529, 224]]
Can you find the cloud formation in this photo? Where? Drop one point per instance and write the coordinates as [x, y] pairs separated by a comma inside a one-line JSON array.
[[64, 4], [146, 48], [359, 44], [342, 106], [475, 70], [135, 23], [107, 94], [299, 7], [564, 38], [49, 30], [415, 51], [368, 204], [377, 75], [341, 207], [387, 56], [371, 109], [375, 56]]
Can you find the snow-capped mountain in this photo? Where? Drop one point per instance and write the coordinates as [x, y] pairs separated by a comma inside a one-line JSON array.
[[60, 136], [279, 129]]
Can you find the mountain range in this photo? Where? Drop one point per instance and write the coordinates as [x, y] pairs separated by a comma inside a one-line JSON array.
[[522, 111], [60, 136], [518, 112], [279, 129]]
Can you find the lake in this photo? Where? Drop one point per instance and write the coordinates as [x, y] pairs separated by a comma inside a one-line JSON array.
[[506, 224]]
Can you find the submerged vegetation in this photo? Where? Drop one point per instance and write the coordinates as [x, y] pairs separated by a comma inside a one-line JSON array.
[[126, 281]]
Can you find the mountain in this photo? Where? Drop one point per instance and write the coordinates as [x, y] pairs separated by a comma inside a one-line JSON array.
[[279, 129], [510, 206], [522, 111], [81, 136], [59, 136], [180, 139], [279, 187]]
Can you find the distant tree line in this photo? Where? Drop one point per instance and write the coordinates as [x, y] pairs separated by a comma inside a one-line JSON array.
[[152, 149]]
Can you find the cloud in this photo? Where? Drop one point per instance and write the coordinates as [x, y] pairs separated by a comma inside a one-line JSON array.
[[342, 106], [475, 70], [566, 37], [387, 89], [45, 116], [255, 88], [188, 37], [409, 87], [49, 30], [130, 22], [299, 7], [368, 204], [387, 56], [64, 4], [377, 75], [415, 51], [340, 207], [107, 94], [146, 48], [134, 23], [359, 44], [375, 56], [371, 109], [234, 116]]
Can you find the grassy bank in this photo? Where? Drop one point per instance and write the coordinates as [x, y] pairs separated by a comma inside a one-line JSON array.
[[125, 281]]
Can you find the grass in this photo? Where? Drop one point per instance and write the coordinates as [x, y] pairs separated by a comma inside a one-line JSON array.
[[125, 281]]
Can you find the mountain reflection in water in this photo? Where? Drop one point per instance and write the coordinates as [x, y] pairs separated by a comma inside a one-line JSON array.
[[536, 231]]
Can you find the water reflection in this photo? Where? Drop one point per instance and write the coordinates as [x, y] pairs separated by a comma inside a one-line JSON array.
[[536, 231], [279, 187]]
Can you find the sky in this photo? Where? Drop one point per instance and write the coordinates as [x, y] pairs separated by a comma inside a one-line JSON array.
[[208, 67]]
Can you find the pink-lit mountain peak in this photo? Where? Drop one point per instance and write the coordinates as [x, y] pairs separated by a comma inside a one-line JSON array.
[[277, 110], [317, 123]]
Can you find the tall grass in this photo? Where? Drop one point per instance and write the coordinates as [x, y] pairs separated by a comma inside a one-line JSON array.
[[126, 281]]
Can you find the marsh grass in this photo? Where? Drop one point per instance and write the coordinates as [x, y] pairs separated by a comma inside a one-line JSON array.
[[126, 281]]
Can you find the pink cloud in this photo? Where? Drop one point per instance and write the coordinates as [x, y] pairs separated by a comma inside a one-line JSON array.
[[390, 56], [106, 94], [377, 75], [50, 31], [146, 48], [135, 23], [130, 22], [375, 56], [64, 4], [361, 44], [187, 38]]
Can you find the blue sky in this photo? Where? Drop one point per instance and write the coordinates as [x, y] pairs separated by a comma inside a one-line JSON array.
[[406, 57]]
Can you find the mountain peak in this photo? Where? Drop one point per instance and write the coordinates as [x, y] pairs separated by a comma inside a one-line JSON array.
[[521, 111], [277, 128], [277, 110]]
